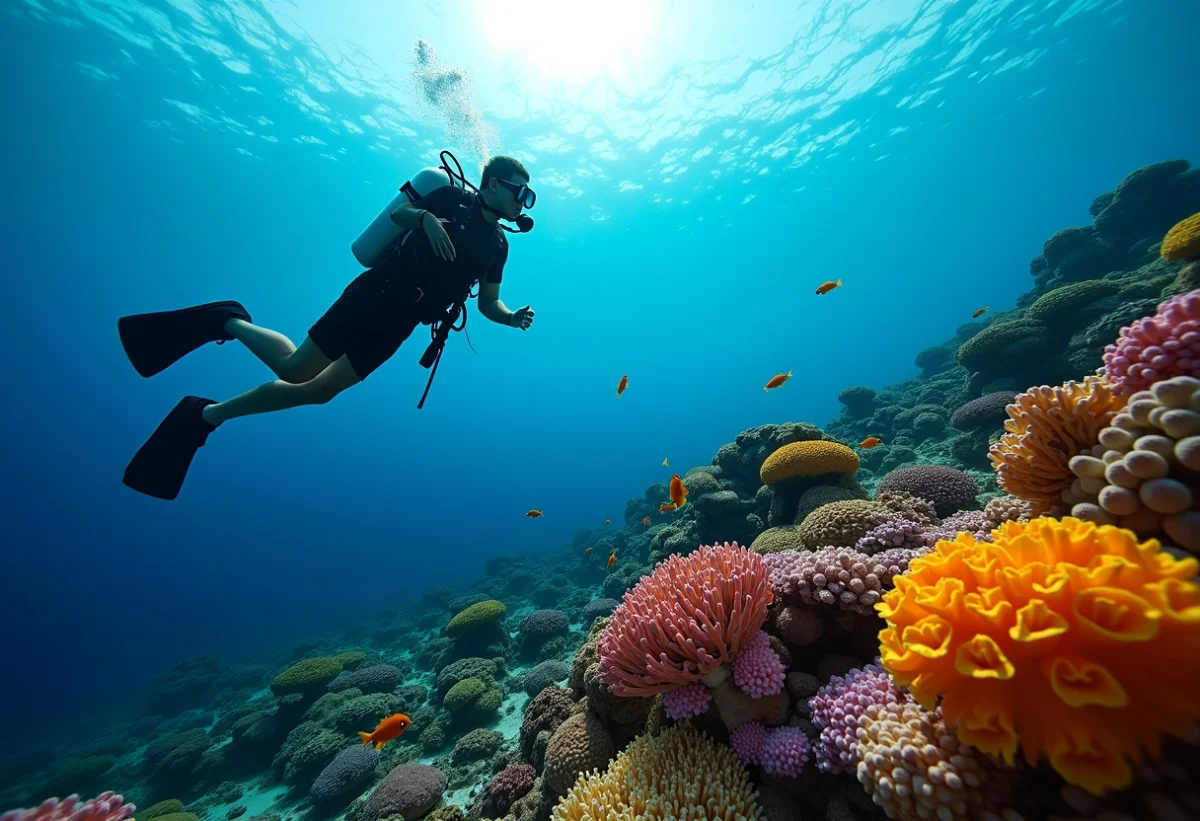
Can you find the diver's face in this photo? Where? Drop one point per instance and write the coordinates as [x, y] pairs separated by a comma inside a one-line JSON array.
[[506, 196]]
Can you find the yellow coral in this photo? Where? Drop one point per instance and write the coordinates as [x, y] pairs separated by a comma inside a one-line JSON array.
[[810, 458], [1045, 428], [1183, 240], [1067, 639], [679, 773]]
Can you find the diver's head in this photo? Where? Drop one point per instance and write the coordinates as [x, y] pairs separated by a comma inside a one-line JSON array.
[[505, 187]]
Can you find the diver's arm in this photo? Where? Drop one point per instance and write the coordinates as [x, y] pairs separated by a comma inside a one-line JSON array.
[[491, 306], [407, 215]]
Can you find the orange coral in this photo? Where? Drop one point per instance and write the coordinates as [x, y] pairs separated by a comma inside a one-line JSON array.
[[1183, 240], [1045, 428], [811, 458], [1067, 639]]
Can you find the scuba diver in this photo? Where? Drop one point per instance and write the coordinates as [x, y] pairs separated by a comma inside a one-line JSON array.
[[423, 255]]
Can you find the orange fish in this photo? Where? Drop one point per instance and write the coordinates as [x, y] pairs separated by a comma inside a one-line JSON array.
[[869, 442], [980, 312], [587, 550], [612, 559], [391, 727], [666, 507], [664, 462], [777, 380], [622, 385], [534, 514], [646, 521], [678, 491], [826, 287], [608, 521]]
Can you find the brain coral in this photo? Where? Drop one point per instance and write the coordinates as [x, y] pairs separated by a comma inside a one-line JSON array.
[[544, 675], [841, 524], [480, 613], [1001, 341], [775, 539], [456, 671], [378, 678], [811, 458], [579, 745], [1069, 640], [684, 620], [1156, 347], [949, 489], [1045, 428], [1183, 240], [307, 674], [1056, 305], [350, 770], [822, 495], [410, 790], [679, 773], [543, 624], [985, 412]]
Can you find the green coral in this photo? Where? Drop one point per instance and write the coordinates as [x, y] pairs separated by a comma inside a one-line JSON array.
[[776, 539], [1003, 339], [463, 695], [480, 613], [1061, 302], [173, 816], [169, 807], [306, 675], [350, 659]]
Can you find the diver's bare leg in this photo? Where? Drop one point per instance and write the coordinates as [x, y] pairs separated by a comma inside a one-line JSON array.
[[276, 351], [280, 395]]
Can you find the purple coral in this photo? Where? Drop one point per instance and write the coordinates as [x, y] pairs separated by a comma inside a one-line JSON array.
[[784, 752], [830, 576], [378, 678], [543, 623], [687, 701], [747, 742], [948, 488], [988, 411], [974, 522], [1156, 347], [513, 782], [895, 561], [757, 670], [410, 790], [837, 708], [893, 532], [350, 771]]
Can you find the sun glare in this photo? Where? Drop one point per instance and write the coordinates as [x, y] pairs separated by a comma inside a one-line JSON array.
[[572, 41]]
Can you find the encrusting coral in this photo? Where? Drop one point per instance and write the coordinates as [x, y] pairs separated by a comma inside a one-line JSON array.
[[1066, 639]]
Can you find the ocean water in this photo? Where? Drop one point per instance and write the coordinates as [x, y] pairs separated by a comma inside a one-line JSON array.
[[700, 171]]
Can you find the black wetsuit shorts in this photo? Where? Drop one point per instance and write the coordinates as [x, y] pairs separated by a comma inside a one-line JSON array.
[[371, 319]]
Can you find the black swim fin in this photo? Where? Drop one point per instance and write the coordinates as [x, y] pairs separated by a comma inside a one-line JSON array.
[[153, 342], [161, 464]]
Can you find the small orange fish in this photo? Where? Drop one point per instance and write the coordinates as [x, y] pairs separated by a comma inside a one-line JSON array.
[[777, 381], [826, 287], [534, 514], [664, 463], [587, 550], [646, 521], [391, 727], [666, 507], [980, 312], [678, 491], [869, 442], [607, 522], [622, 385], [612, 559]]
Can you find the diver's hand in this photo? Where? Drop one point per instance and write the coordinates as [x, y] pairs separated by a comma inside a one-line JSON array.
[[438, 237], [521, 318]]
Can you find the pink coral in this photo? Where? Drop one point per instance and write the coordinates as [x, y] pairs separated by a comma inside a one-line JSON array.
[[107, 806], [895, 531], [747, 742], [687, 701], [757, 670], [837, 708], [832, 576], [1156, 347], [691, 615], [784, 752]]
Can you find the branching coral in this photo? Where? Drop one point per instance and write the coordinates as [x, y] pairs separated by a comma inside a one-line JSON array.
[[108, 806], [1046, 427], [684, 620], [1145, 473], [1156, 347], [1066, 639]]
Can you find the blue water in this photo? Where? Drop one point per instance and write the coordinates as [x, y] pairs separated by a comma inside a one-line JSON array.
[[691, 197]]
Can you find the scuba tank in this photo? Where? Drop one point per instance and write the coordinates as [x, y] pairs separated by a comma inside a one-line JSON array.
[[382, 234]]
